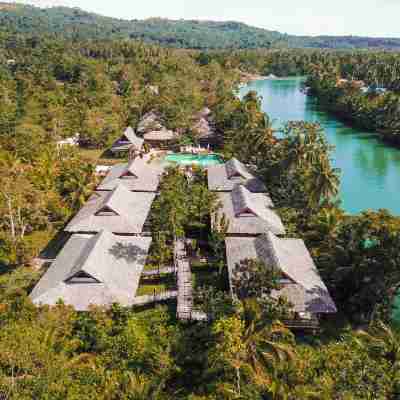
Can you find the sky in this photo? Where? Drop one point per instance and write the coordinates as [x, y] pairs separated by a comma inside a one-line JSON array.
[[376, 18]]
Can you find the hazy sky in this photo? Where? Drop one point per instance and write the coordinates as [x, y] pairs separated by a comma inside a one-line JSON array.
[[309, 17]]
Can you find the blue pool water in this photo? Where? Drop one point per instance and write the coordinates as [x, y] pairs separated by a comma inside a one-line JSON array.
[[204, 160]]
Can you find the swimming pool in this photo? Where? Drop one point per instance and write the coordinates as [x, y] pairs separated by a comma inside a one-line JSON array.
[[204, 160]]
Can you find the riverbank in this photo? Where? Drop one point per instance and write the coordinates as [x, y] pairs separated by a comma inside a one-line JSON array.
[[377, 113], [246, 77], [370, 168]]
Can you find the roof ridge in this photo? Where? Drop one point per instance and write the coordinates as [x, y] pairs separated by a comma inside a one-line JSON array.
[[266, 241], [91, 247], [109, 199], [235, 167], [273, 241]]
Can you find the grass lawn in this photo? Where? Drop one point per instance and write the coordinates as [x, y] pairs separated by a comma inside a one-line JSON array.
[[157, 284], [203, 275], [151, 267], [97, 156]]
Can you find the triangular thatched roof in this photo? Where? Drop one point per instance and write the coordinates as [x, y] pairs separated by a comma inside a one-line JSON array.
[[139, 175], [303, 286], [119, 211], [249, 213], [224, 177], [96, 269], [127, 140]]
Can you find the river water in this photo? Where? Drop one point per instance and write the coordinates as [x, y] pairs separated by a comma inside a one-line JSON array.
[[370, 169]]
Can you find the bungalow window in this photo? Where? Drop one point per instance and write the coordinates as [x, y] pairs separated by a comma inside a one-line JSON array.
[[128, 175], [123, 140], [82, 277], [284, 280], [106, 212], [245, 213], [235, 175], [236, 178]]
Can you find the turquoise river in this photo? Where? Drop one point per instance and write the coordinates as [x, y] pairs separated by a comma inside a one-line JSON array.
[[370, 169]]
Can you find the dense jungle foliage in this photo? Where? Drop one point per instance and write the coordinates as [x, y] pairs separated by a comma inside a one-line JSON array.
[[374, 107], [55, 88], [78, 24]]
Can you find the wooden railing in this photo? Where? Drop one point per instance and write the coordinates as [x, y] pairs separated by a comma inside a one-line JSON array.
[[306, 324]]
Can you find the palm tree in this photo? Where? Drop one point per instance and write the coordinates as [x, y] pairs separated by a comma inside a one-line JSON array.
[[323, 182], [384, 340], [79, 184], [266, 344]]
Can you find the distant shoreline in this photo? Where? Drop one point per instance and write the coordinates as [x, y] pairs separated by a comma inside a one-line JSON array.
[[246, 78]]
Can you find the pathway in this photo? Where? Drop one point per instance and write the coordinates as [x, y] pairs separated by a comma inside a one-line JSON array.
[[184, 309]]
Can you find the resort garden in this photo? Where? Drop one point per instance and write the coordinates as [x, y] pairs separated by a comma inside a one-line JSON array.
[[227, 336]]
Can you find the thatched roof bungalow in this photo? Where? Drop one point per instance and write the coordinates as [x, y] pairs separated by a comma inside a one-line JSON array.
[[248, 214], [99, 269], [224, 177], [139, 175], [161, 138], [150, 122], [204, 113], [119, 211], [300, 282], [127, 140]]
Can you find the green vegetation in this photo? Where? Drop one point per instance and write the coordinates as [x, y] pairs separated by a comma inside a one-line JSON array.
[[57, 88], [73, 23], [372, 109], [151, 286]]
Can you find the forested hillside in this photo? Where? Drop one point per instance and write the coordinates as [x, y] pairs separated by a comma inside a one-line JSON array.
[[78, 24]]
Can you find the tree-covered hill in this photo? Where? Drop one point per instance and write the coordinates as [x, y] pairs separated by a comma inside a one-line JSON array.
[[78, 24]]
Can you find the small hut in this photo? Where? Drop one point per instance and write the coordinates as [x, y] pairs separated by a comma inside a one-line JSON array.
[[150, 122], [161, 139]]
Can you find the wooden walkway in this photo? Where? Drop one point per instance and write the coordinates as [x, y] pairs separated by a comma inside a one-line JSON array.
[[184, 309], [157, 298]]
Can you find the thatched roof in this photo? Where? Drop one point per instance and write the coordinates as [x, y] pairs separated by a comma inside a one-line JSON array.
[[160, 135], [119, 211], [139, 175], [203, 113], [127, 140], [249, 213], [224, 177], [96, 269], [150, 122], [306, 290], [202, 128]]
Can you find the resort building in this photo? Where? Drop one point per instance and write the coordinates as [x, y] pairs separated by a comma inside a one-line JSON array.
[[99, 269], [139, 175], [150, 122], [160, 139], [224, 177], [300, 281], [126, 141], [118, 211], [248, 214]]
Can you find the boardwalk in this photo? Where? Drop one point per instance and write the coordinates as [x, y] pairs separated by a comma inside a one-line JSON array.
[[185, 296], [185, 288]]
